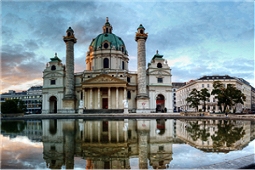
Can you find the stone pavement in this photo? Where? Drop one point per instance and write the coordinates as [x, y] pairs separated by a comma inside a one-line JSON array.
[[233, 164]]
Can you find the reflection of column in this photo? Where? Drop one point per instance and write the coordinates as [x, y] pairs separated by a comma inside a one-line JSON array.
[[69, 146], [143, 149], [109, 98], [98, 96], [90, 131], [90, 98], [117, 129], [109, 131], [117, 97], [83, 97], [99, 131]]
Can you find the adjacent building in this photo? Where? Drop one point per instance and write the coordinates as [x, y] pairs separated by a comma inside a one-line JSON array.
[[107, 84], [207, 82], [32, 98]]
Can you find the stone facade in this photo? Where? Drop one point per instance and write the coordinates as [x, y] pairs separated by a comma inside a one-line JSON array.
[[106, 82]]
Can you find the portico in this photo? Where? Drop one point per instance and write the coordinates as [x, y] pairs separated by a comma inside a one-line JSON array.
[[104, 92]]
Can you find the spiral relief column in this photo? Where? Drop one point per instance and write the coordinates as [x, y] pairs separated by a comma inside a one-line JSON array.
[[69, 97], [142, 96]]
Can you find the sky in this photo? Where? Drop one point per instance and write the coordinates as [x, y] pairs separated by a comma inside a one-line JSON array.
[[197, 38]]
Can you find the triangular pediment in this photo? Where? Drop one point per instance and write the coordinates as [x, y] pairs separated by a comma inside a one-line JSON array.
[[104, 79]]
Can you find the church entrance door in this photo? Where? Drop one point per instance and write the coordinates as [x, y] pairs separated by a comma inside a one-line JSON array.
[[160, 103], [53, 104], [105, 103]]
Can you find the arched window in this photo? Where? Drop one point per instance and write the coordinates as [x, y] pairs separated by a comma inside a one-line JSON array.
[[106, 63], [128, 79], [141, 31], [159, 65], [53, 67], [123, 65]]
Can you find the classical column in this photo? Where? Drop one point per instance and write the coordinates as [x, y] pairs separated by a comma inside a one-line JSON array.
[[125, 93], [85, 99], [109, 98], [90, 98], [98, 98], [117, 97]]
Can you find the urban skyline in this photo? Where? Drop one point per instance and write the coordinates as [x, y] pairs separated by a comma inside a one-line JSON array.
[[205, 38]]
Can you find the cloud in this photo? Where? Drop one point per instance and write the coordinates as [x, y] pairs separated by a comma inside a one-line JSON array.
[[207, 33]]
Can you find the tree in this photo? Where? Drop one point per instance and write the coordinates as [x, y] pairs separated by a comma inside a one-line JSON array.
[[194, 98], [229, 96], [13, 106], [227, 134], [204, 95]]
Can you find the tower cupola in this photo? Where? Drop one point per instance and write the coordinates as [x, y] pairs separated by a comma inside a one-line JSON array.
[[140, 34], [107, 28], [69, 35]]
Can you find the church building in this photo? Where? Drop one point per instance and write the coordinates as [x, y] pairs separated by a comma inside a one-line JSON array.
[[107, 85]]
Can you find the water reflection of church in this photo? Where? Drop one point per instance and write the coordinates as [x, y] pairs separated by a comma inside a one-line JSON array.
[[113, 144], [107, 144]]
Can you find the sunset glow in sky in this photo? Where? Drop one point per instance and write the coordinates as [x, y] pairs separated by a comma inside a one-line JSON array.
[[197, 38]]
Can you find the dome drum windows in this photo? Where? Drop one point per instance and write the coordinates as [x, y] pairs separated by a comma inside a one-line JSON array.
[[106, 63], [106, 45]]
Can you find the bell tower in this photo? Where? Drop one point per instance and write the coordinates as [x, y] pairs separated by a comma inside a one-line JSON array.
[[142, 97], [69, 97]]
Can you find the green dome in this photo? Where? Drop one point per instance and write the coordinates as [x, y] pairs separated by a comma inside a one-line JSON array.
[[108, 41]]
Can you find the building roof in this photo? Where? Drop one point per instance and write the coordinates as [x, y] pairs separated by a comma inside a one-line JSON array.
[[157, 55], [213, 77]]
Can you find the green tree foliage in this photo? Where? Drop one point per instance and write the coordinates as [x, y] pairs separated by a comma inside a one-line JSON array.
[[227, 134], [193, 99], [196, 96], [195, 132], [227, 97], [13, 106], [204, 95], [13, 126]]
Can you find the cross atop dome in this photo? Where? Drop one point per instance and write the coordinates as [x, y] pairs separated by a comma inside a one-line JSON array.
[[107, 28]]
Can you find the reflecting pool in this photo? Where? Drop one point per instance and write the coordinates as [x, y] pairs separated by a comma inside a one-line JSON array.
[[123, 144]]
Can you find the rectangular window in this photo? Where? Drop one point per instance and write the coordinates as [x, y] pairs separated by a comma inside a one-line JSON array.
[[202, 85], [161, 148], [208, 85], [160, 80], [128, 79], [52, 82]]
